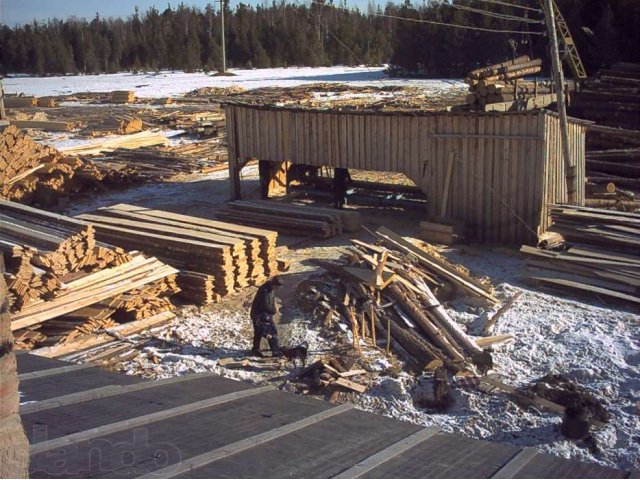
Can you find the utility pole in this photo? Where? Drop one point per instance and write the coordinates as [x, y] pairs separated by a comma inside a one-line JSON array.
[[224, 54], [569, 162]]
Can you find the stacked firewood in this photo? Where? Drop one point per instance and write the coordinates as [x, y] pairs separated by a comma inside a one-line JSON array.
[[388, 293], [599, 255], [502, 85], [65, 283]]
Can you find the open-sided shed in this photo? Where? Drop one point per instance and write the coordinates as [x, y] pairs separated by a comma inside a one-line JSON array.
[[494, 172]]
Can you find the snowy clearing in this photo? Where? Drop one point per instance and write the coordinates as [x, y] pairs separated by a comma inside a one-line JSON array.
[[168, 83]]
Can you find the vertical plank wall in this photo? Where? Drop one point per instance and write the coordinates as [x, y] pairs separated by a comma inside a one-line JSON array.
[[505, 168]]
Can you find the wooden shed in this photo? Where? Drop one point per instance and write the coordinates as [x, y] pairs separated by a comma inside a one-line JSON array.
[[494, 172]]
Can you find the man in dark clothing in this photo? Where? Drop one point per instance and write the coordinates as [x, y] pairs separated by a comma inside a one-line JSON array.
[[264, 174], [341, 179], [263, 309]]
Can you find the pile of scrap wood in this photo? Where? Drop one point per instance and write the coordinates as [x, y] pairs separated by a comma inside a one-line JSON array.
[[390, 293], [612, 98], [34, 173], [65, 283], [123, 96], [213, 151], [291, 218], [333, 374], [153, 163], [200, 124], [600, 254], [214, 258], [501, 87]]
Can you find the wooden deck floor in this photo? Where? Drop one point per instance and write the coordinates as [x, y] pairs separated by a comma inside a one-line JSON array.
[[86, 422]]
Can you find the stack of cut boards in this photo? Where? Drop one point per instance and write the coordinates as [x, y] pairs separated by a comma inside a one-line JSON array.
[[500, 87], [440, 231], [601, 255], [30, 172], [214, 258], [16, 101], [291, 218], [133, 141], [123, 96], [66, 284]]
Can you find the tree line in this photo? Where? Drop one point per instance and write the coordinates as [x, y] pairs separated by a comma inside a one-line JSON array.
[[316, 34]]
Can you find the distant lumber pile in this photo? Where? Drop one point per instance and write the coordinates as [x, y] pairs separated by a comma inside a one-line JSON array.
[[123, 96], [133, 141], [388, 294], [291, 218], [214, 258], [66, 284], [600, 253], [501, 87]]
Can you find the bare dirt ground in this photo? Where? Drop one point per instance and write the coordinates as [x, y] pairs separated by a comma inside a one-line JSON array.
[[594, 343]]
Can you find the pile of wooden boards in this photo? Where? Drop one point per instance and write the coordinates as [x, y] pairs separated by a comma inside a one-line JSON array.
[[334, 374], [441, 231], [153, 163], [501, 87], [389, 293], [21, 101], [34, 173], [200, 124], [65, 283], [600, 255], [123, 96], [291, 218], [612, 98], [133, 141], [214, 258]]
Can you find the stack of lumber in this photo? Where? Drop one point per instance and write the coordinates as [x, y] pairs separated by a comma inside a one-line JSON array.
[[65, 283], [440, 231], [49, 125], [291, 218], [121, 124], [212, 150], [501, 87], [34, 173], [20, 102], [612, 98], [200, 124], [123, 96], [214, 258], [388, 293], [600, 255], [133, 141]]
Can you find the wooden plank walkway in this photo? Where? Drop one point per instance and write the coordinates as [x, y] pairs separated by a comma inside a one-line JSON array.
[[96, 424]]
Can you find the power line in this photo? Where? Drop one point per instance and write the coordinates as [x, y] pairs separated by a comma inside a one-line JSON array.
[[430, 22], [507, 4], [502, 16]]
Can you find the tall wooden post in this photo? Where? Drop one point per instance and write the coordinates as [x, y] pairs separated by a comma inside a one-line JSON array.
[[569, 162], [3, 114], [224, 53]]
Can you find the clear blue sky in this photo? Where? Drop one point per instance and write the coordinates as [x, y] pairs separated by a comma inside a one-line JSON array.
[[14, 12]]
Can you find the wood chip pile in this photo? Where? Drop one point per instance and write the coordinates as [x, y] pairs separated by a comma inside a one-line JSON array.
[[501, 87], [389, 293], [65, 283], [599, 254], [214, 258], [290, 218]]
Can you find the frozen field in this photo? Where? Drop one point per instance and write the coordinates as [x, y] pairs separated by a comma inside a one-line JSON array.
[[167, 83]]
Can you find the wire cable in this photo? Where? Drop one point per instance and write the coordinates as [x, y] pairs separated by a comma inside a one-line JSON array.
[[507, 4], [502, 16], [430, 22]]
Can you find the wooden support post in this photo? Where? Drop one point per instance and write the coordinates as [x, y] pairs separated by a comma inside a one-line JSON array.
[[388, 337], [447, 183], [363, 324], [569, 162], [372, 315]]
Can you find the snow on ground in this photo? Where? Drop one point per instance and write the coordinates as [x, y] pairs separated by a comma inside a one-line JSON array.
[[170, 83]]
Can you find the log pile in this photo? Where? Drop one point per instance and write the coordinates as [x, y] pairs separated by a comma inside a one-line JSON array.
[[389, 292], [291, 218], [66, 284], [501, 87], [214, 258], [612, 98], [123, 96], [600, 254]]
